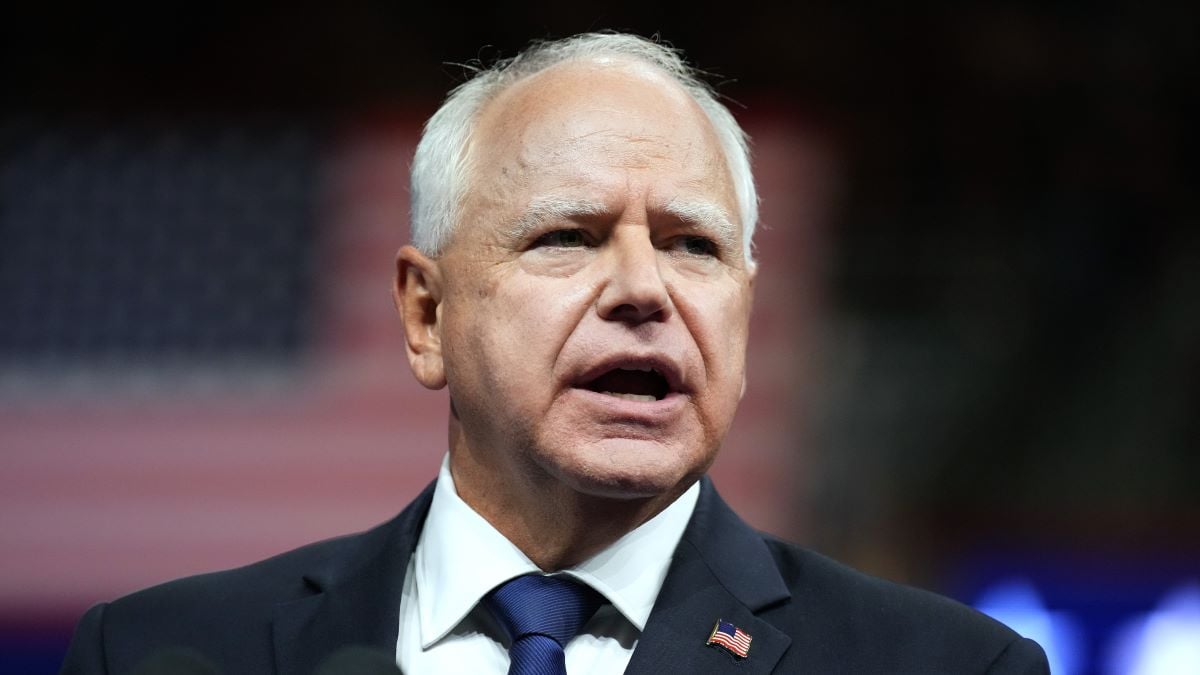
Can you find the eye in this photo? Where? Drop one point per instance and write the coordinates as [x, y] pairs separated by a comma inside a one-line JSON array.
[[562, 239], [701, 246]]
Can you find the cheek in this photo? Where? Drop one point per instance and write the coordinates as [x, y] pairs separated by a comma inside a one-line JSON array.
[[544, 311], [727, 333], [508, 333], [721, 328]]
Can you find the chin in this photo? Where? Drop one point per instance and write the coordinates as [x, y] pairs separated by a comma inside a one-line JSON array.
[[628, 469]]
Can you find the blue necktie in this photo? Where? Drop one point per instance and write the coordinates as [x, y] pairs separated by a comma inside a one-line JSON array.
[[541, 615]]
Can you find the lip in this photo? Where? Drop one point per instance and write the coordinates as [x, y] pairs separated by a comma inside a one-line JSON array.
[[616, 409], [646, 413], [665, 365]]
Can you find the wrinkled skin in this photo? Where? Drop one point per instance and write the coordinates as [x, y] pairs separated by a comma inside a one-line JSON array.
[[528, 304]]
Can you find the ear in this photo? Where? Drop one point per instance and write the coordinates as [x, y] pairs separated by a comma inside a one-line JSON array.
[[417, 293]]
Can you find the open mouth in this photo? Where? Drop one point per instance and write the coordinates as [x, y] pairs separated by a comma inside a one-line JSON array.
[[631, 384]]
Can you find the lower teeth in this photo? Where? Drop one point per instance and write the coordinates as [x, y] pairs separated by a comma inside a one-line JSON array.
[[632, 397]]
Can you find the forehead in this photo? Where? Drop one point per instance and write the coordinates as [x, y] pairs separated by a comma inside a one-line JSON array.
[[581, 126]]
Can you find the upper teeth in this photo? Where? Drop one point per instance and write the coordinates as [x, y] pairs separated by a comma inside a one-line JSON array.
[[631, 397]]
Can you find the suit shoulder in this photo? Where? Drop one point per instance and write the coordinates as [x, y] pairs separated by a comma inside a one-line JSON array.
[[231, 616], [241, 598], [226, 615], [293, 574], [855, 590], [274, 579], [906, 628]]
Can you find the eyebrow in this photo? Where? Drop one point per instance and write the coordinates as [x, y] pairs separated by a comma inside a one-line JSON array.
[[546, 209], [703, 216], [706, 217]]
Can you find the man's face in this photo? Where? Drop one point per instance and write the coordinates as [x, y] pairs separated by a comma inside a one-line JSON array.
[[596, 299]]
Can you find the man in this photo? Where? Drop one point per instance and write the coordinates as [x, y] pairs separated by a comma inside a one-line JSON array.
[[581, 283]]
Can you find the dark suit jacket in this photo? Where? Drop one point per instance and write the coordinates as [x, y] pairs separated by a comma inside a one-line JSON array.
[[806, 613]]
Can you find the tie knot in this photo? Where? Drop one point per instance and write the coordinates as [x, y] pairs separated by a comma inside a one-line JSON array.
[[556, 607]]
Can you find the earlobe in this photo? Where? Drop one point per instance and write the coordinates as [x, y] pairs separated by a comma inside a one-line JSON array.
[[417, 294]]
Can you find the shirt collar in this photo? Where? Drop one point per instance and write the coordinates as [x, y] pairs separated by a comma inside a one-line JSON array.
[[460, 557]]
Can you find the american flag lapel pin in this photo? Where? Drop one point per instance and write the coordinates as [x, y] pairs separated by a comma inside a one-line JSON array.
[[733, 639]]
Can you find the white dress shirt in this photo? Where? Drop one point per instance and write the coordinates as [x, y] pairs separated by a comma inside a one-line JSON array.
[[460, 557]]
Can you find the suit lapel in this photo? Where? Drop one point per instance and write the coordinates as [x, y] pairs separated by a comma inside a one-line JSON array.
[[721, 570], [355, 599]]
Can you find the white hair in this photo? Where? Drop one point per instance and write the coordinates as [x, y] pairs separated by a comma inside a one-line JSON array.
[[441, 166]]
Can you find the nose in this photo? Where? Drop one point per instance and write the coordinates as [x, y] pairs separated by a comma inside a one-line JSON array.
[[634, 289]]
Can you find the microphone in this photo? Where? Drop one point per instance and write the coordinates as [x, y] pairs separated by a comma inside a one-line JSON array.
[[359, 661], [175, 661]]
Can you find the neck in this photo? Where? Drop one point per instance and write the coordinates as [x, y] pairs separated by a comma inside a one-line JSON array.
[[553, 524]]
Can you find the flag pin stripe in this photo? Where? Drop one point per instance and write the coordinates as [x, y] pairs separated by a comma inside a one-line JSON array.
[[730, 638]]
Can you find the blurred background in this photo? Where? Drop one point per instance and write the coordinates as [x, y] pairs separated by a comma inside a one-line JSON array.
[[975, 363]]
